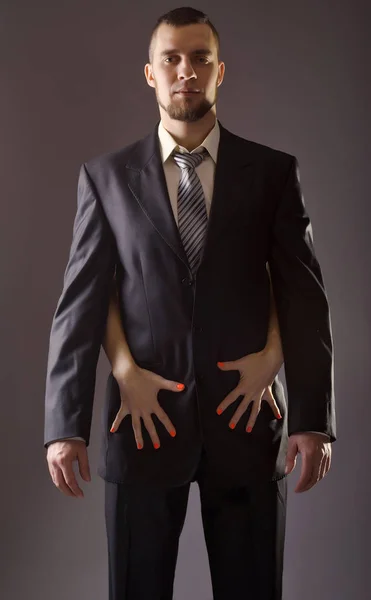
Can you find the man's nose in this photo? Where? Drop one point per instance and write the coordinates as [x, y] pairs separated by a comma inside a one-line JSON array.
[[186, 71]]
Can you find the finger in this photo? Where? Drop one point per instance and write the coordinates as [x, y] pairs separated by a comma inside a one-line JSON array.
[[325, 465], [291, 456], [124, 410], [315, 477], [268, 397], [321, 468], [318, 469], [328, 463], [150, 426], [70, 479], [228, 365], [168, 384], [162, 416], [329, 460], [313, 480], [307, 472], [239, 412], [60, 483], [253, 416], [137, 428], [83, 461], [228, 400]]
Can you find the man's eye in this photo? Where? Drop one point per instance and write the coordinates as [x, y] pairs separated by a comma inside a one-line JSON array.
[[199, 57]]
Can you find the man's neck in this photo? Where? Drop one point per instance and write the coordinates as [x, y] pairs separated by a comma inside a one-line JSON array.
[[189, 135]]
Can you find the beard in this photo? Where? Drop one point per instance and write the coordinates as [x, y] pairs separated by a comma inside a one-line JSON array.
[[187, 110]]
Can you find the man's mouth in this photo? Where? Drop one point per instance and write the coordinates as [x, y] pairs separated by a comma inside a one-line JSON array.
[[187, 92]]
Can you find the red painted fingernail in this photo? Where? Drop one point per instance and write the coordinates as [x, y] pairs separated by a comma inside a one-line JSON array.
[[180, 386], [139, 446], [249, 429], [219, 411], [220, 364], [173, 433], [112, 429], [232, 425], [156, 446]]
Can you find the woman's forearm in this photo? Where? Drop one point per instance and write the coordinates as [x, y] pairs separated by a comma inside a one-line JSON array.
[[114, 343], [274, 345], [120, 357]]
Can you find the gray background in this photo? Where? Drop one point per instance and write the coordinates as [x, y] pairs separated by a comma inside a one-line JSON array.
[[72, 88]]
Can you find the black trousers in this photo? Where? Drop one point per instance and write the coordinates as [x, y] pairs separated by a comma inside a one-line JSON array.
[[244, 529]]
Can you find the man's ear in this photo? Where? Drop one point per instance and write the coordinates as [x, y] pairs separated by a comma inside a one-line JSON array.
[[221, 73], [149, 74]]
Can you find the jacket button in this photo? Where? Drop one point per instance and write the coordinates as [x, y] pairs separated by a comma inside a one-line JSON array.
[[197, 329], [187, 281]]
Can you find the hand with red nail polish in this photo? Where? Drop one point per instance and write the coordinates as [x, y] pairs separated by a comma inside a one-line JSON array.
[[257, 372], [138, 389]]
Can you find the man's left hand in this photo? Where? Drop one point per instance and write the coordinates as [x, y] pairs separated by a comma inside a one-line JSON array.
[[316, 458]]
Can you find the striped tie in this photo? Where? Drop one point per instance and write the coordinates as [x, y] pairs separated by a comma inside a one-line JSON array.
[[192, 215]]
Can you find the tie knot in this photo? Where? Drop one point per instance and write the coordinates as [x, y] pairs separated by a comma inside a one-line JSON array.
[[189, 160]]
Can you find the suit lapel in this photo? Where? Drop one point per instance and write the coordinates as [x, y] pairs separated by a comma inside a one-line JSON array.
[[147, 182]]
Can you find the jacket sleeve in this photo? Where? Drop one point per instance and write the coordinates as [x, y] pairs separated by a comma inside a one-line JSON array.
[[303, 314], [79, 320]]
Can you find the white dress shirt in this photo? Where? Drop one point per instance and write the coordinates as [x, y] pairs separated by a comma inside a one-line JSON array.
[[205, 171]]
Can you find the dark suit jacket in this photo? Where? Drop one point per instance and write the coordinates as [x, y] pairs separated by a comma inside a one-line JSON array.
[[179, 325]]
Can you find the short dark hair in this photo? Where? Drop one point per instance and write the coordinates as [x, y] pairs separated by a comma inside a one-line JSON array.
[[178, 17]]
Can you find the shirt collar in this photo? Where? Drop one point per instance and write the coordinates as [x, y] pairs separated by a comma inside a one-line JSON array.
[[168, 144]]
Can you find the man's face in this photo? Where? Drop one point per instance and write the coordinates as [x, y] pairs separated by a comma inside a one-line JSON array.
[[185, 58]]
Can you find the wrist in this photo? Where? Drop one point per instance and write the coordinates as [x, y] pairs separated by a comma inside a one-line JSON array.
[[122, 367], [272, 352]]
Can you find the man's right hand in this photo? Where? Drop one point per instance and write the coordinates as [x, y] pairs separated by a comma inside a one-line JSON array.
[[60, 457], [138, 390]]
